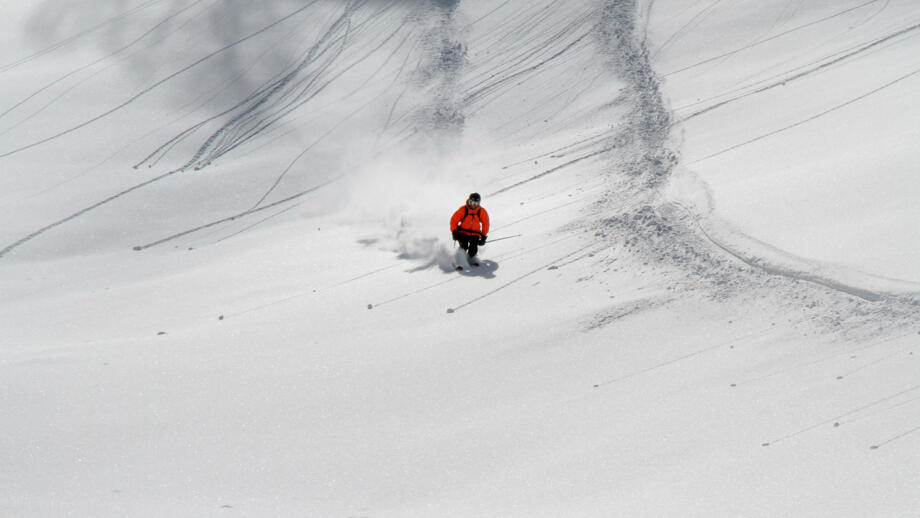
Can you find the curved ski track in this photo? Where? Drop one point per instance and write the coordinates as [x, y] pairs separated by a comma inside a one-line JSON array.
[[423, 48], [654, 230]]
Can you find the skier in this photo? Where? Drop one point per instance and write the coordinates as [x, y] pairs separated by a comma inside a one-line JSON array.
[[469, 226]]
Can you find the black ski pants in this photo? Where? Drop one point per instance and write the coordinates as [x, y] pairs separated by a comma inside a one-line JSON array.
[[468, 243]]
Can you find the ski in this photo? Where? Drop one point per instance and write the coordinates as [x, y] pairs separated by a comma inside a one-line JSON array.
[[460, 268]]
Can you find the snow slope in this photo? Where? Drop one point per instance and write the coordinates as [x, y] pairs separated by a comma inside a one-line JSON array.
[[226, 281], [802, 104]]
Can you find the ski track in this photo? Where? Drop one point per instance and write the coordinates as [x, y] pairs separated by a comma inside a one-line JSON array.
[[254, 210], [636, 154], [811, 118], [76, 37], [695, 20], [895, 438], [251, 121], [649, 303], [768, 39], [154, 86], [800, 366], [199, 159], [633, 159], [517, 279], [90, 65], [12, 246], [839, 417], [766, 266], [494, 258], [651, 230], [552, 170], [783, 80]]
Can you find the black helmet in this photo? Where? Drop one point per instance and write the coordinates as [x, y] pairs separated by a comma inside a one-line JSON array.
[[475, 197]]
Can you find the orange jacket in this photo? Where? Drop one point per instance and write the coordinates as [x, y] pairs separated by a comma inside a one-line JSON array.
[[470, 221]]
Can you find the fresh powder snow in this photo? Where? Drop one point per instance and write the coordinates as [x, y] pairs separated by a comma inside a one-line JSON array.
[[228, 283]]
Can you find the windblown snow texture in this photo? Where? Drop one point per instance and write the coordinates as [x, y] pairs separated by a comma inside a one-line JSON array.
[[229, 283]]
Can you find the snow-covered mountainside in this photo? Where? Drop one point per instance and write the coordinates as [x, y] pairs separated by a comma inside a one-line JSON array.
[[227, 270], [806, 105]]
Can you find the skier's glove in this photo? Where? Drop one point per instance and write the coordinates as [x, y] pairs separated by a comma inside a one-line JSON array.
[[456, 234], [482, 240]]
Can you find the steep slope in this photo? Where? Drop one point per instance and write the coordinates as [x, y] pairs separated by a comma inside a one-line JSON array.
[[804, 106], [257, 319]]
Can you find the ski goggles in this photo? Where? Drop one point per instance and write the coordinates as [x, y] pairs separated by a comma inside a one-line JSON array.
[[473, 203]]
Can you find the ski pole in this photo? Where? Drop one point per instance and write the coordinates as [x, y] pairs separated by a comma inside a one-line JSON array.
[[506, 237]]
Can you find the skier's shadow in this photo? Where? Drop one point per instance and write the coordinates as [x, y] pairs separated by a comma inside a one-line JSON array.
[[486, 270]]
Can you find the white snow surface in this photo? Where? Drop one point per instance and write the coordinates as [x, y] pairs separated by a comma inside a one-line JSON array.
[[227, 283]]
